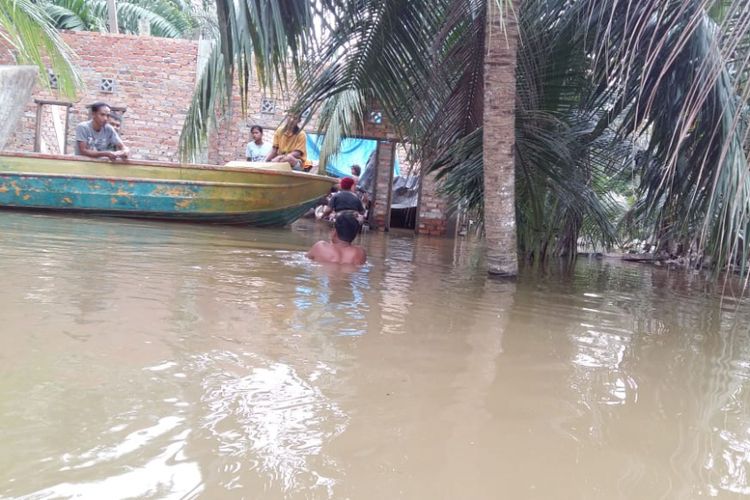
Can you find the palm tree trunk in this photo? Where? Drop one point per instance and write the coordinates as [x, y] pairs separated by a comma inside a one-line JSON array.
[[112, 16], [499, 139]]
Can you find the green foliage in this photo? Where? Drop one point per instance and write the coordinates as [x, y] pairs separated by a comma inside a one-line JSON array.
[[264, 37], [683, 94], [27, 28], [166, 18], [594, 78], [588, 87], [211, 94], [343, 112]]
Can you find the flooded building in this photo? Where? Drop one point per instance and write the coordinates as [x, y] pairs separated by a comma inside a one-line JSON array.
[[150, 82]]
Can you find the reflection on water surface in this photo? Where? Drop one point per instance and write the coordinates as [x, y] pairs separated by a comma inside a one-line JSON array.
[[169, 361]]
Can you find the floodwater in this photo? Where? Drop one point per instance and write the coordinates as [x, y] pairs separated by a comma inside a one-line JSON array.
[[155, 360]]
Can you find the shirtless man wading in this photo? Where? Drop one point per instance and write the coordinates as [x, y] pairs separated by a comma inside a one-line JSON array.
[[340, 249]]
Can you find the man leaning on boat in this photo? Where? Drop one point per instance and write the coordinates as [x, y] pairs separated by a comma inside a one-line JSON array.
[[96, 138]]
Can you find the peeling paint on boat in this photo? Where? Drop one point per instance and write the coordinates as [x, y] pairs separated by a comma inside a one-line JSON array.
[[229, 195]]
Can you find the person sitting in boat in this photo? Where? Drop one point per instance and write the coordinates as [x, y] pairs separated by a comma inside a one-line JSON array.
[[116, 121], [340, 249], [95, 137], [361, 193], [289, 143], [346, 200], [320, 210], [257, 150], [356, 172]]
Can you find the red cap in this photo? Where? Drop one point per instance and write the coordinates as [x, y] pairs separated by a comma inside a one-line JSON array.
[[347, 183]]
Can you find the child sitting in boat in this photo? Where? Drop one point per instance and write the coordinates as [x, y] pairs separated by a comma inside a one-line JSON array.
[[340, 249], [96, 138], [257, 150]]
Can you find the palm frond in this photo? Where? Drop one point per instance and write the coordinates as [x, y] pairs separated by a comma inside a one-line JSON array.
[[166, 18], [163, 17], [210, 96], [593, 77], [682, 95], [343, 114], [28, 28], [71, 15], [463, 183], [263, 37], [384, 49]]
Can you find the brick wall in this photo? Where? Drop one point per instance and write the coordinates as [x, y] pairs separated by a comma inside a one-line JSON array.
[[433, 209], [228, 142], [154, 81], [381, 206]]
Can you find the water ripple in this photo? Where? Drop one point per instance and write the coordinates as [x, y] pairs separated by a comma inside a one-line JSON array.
[[167, 360], [272, 413]]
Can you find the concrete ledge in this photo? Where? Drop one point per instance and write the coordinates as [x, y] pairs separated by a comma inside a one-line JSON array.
[[16, 84]]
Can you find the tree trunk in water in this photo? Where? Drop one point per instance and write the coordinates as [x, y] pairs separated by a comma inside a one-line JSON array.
[[499, 140]]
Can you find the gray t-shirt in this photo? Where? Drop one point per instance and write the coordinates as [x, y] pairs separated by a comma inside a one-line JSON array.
[[104, 140]]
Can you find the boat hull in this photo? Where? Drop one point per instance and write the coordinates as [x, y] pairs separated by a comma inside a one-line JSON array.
[[197, 193]]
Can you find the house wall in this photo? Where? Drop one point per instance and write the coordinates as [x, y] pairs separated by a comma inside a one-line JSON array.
[[433, 208], [154, 79], [381, 208]]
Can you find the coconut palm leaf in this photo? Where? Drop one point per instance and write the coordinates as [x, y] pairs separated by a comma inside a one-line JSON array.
[[28, 29], [684, 97], [166, 18], [76, 15], [593, 77], [343, 113], [372, 43], [261, 37], [211, 96], [266, 34]]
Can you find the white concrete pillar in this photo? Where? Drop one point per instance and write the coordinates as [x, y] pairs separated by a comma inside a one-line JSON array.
[[16, 84]]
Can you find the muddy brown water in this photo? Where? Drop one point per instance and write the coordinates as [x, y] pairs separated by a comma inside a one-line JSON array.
[[155, 360]]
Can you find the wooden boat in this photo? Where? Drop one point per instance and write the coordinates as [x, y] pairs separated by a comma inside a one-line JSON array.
[[259, 194]]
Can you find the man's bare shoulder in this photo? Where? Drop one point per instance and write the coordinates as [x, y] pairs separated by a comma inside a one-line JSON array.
[[355, 255], [324, 251], [321, 251]]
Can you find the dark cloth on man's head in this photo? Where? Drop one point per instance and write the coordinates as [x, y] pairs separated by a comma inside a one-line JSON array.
[[347, 226], [346, 200]]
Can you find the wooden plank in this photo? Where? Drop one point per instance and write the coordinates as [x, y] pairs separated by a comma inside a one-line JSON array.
[[38, 129], [53, 103]]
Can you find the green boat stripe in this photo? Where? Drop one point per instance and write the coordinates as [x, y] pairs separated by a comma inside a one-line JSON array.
[[158, 181]]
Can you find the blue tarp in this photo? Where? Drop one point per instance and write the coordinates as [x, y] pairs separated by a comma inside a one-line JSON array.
[[353, 152]]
